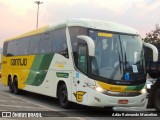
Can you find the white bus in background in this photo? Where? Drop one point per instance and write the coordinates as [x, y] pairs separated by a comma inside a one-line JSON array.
[[89, 62]]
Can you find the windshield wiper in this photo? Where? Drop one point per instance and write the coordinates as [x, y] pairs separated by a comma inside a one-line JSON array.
[[125, 61], [116, 68], [120, 62], [119, 66]]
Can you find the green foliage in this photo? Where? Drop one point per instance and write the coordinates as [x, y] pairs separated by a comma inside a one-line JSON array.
[[153, 36]]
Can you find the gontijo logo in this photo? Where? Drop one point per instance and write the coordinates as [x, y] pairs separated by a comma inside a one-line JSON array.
[[79, 95], [18, 62]]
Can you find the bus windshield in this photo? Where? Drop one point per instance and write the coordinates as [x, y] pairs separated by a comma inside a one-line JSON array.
[[116, 55]]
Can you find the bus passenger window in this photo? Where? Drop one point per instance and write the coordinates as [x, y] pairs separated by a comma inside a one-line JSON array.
[[5, 46], [34, 45], [45, 44], [60, 42], [24, 47]]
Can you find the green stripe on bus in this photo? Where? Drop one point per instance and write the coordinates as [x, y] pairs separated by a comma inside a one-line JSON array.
[[34, 69], [137, 88], [43, 69], [39, 69]]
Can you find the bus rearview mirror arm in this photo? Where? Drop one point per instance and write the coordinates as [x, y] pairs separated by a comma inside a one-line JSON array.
[[90, 43], [154, 49]]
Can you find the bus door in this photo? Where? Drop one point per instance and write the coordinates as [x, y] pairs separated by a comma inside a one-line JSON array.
[[80, 77]]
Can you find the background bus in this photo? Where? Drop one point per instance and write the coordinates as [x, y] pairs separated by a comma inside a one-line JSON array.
[[153, 69], [89, 62]]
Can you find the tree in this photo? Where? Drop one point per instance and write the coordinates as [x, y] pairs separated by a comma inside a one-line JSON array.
[[153, 36]]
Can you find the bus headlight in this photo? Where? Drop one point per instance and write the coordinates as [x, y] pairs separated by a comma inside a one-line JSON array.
[[96, 88], [99, 89], [143, 91]]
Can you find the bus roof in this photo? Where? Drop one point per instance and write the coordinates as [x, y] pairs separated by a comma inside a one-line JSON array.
[[40, 30], [88, 23], [101, 25]]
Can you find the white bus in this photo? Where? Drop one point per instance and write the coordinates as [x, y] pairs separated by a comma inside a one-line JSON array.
[[89, 62]]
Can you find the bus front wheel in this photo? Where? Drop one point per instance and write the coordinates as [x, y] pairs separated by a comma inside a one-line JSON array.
[[63, 96]]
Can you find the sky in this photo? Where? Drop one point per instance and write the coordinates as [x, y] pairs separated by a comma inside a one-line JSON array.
[[19, 16]]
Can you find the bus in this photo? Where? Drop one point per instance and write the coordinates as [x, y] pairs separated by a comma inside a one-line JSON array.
[[85, 61], [153, 78]]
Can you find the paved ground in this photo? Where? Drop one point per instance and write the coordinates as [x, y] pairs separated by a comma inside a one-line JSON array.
[[46, 106], [25, 107]]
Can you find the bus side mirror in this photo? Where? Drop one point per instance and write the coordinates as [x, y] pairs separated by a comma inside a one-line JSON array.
[[90, 44], [153, 51]]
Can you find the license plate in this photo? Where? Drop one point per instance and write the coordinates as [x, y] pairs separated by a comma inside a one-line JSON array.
[[123, 102]]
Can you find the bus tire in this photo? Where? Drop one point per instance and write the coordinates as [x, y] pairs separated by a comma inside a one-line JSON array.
[[157, 100], [10, 84], [63, 96], [15, 86]]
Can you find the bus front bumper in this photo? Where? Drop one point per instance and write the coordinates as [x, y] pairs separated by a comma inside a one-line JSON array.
[[102, 100]]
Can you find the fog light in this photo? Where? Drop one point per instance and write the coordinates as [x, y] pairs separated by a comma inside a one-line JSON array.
[[143, 91]]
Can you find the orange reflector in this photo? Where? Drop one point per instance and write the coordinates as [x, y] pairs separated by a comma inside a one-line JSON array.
[[123, 102]]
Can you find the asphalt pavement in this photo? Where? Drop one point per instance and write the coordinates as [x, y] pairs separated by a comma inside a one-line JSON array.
[[35, 106]]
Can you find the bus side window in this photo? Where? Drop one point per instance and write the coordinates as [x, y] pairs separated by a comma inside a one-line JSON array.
[[60, 42], [34, 45], [10, 49], [24, 46], [82, 58], [5, 46], [45, 44]]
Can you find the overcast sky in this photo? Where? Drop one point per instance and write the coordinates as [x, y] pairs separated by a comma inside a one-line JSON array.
[[19, 16]]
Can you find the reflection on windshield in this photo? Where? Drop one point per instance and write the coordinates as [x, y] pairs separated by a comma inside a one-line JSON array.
[[114, 52], [132, 47]]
